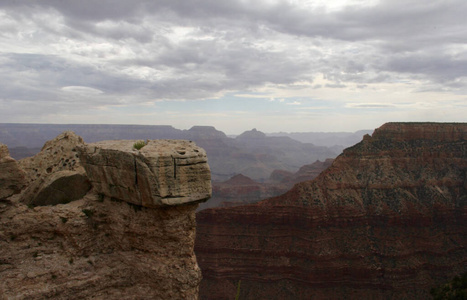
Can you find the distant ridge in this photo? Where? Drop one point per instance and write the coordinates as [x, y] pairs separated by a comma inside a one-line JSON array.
[[253, 153]]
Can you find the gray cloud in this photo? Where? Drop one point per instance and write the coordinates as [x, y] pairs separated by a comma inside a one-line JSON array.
[[149, 50]]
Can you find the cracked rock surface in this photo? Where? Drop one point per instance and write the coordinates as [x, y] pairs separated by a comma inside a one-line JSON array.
[[163, 172]]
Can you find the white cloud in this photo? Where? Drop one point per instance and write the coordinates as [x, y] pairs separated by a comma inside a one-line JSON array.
[[82, 90]]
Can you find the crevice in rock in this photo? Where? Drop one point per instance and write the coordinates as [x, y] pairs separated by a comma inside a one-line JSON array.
[[136, 174], [175, 167]]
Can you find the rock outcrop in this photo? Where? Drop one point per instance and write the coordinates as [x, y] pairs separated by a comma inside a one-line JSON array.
[[55, 174], [163, 172], [104, 245], [12, 178], [388, 220]]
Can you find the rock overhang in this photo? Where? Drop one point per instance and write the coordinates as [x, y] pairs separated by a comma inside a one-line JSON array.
[[161, 173]]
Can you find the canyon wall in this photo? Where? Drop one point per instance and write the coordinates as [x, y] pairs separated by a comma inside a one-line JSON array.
[[387, 220], [240, 189], [101, 221]]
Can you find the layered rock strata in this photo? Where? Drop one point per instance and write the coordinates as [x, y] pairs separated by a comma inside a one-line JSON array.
[[103, 246], [388, 220], [241, 190]]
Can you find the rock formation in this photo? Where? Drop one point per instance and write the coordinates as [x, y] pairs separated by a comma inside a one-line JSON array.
[[163, 172], [103, 245], [55, 174], [388, 220], [12, 178], [305, 173], [240, 189]]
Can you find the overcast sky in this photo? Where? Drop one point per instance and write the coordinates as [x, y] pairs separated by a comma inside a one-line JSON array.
[[239, 64]]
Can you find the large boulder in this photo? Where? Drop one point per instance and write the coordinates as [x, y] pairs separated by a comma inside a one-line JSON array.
[[12, 178], [162, 172]]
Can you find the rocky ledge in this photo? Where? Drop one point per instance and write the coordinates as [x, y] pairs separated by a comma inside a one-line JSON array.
[[101, 221], [387, 220]]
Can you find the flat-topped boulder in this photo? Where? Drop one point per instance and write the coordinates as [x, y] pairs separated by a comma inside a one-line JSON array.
[[161, 173]]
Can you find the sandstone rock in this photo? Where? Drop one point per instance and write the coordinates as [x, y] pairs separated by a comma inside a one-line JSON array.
[[55, 174], [12, 178], [163, 172], [58, 154], [387, 220], [95, 247], [57, 188]]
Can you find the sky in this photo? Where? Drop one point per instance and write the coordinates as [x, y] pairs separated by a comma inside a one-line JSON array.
[[274, 65]]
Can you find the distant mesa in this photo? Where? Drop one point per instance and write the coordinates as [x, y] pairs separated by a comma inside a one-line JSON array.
[[252, 134], [240, 179], [200, 132]]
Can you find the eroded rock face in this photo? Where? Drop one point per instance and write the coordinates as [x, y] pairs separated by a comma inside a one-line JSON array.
[[12, 178], [387, 220], [55, 175], [163, 172], [97, 246], [58, 154]]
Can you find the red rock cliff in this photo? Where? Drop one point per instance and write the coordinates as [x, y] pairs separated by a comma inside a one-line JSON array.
[[388, 220]]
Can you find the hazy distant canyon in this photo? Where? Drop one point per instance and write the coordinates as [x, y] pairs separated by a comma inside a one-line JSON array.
[[273, 162], [385, 219]]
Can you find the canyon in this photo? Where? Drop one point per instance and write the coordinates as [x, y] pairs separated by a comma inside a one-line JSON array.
[[102, 220], [387, 220], [252, 153], [241, 189]]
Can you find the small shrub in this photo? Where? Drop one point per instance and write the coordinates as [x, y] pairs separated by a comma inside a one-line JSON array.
[[139, 144], [64, 220], [454, 289], [237, 296]]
